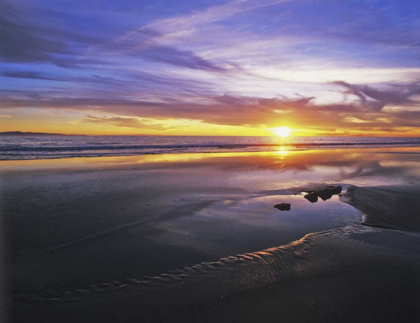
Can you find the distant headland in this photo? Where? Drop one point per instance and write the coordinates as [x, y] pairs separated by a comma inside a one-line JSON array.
[[20, 133]]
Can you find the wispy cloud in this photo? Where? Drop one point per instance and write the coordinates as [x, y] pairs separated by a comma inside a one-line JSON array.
[[226, 109], [397, 94], [27, 40], [17, 37], [31, 75], [124, 122], [210, 15]]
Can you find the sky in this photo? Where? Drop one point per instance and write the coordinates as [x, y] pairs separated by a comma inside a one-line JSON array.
[[242, 67]]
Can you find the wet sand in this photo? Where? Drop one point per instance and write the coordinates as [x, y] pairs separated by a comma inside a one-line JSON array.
[[203, 228], [186, 235]]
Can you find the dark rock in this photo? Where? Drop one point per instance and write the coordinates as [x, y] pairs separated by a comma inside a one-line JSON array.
[[325, 194], [328, 192], [311, 197], [283, 206], [336, 189]]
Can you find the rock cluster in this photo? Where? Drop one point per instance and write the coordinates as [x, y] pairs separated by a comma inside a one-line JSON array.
[[324, 194]]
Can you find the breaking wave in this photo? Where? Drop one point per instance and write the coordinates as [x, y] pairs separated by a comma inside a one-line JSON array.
[[47, 147]]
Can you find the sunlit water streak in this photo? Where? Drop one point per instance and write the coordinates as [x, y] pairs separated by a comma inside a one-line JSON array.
[[46, 147]]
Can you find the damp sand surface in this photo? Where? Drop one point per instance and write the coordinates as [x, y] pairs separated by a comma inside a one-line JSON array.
[[182, 237], [197, 238]]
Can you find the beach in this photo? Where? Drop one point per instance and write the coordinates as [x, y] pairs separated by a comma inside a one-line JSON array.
[[195, 237], [233, 161]]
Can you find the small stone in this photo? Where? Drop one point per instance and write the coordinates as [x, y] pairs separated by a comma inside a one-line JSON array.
[[283, 206]]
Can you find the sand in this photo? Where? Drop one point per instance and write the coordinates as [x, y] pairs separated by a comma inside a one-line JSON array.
[[389, 207], [186, 235], [83, 235]]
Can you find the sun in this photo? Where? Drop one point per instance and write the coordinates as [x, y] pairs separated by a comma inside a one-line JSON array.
[[282, 131]]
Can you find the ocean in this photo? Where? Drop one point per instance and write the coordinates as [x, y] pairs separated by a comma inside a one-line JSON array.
[[50, 147]]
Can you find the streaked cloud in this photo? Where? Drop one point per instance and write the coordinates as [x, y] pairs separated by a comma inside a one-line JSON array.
[[316, 66]]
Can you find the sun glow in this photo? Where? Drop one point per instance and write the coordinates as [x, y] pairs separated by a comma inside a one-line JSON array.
[[282, 131]]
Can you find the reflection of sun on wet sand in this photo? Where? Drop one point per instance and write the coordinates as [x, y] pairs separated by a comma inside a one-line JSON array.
[[196, 238]]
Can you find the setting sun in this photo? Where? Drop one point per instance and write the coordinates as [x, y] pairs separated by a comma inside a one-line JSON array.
[[282, 131]]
